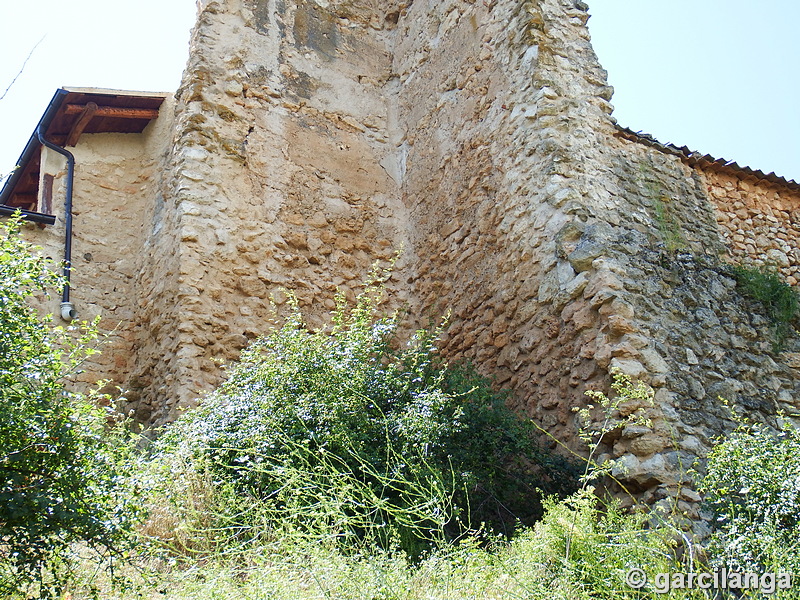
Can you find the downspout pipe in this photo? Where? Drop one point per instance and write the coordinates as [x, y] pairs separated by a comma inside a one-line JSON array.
[[68, 312]]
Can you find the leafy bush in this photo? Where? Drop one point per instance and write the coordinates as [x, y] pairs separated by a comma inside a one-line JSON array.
[[585, 548], [753, 487], [779, 299], [59, 474], [342, 433]]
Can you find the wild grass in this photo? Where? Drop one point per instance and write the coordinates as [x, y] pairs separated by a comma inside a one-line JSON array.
[[337, 464], [582, 548], [603, 545], [780, 300]]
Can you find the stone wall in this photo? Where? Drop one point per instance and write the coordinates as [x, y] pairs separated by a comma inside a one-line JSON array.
[[278, 181], [679, 323], [493, 177], [313, 138], [759, 221]]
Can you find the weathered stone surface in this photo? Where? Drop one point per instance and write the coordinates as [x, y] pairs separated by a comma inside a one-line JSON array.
[[757, 221], [312, 139]]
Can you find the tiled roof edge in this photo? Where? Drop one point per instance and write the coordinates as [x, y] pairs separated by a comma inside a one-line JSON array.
[[706, 161]]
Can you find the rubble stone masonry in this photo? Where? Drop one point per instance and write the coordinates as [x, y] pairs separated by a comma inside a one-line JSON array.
[[312, 138], [759, 222]]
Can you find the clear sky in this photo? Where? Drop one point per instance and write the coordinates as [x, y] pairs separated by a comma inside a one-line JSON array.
[[131, 45], [718, 76], [721, 77]]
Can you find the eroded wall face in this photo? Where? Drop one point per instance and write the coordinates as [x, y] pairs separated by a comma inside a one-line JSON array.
[[493, 174], [316, 137], [281, 178]]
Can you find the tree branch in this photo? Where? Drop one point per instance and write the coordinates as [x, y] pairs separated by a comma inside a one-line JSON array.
[[22, 68]]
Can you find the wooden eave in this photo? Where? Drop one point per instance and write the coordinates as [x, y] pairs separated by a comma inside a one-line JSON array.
[[71, 113], [89, 111]]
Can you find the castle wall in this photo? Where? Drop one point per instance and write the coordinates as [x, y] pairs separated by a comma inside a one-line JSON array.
[[681, 325], [565, 253], [312, 139], [493, 177], [279, 178], [759, 221]]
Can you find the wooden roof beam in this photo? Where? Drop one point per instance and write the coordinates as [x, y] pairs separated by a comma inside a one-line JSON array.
[[25, 201], [89, 111], [116, 112]]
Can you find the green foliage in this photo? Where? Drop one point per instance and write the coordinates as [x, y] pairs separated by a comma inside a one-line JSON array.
[[326, 452], [668, 225], [343, 434], [60, 476], [584, 548], [605, 544], [780, 300], [753, 487]]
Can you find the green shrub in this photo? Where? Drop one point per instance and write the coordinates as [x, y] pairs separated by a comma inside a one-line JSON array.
[[753, 487], [342, 433], [779, 299], [60, 476], [584, 548]]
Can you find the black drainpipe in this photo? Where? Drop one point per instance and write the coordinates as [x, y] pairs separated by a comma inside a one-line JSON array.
[[68, 312]]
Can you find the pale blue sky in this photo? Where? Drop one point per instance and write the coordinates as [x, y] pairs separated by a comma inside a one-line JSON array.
[[141, 45], [719, 77]]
